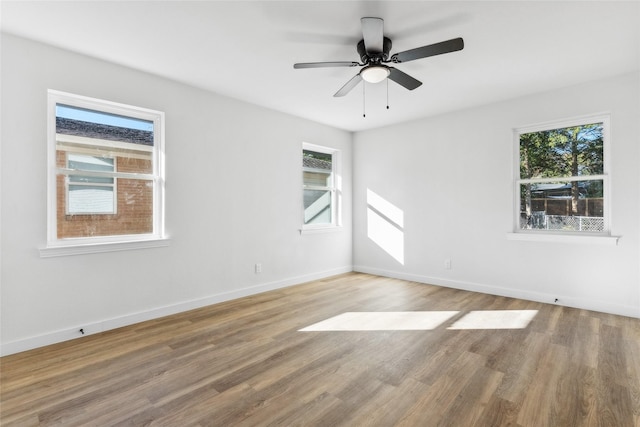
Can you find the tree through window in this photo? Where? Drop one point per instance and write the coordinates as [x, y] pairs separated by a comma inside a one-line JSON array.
[[562, 178]]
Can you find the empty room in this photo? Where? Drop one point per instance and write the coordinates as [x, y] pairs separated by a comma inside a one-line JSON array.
[[320, 213]]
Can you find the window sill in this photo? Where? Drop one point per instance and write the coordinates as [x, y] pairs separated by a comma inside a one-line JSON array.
[[320, 230], [92, 248], [589, 239]]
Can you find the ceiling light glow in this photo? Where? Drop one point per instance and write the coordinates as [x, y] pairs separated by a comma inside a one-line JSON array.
[[374, 74]]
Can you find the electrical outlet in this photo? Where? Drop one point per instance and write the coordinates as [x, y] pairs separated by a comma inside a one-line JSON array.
[[447, 264], [258, 268]]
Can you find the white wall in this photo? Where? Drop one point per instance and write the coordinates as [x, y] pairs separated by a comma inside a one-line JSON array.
[[451, 176], [233, 199]]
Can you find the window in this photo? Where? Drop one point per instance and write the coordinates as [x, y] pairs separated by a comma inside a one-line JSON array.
[[106, 180], [320, 187], [562, 183]]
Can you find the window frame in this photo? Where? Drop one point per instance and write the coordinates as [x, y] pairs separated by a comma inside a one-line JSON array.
[[335, 189], [537, 234], [77, 245]]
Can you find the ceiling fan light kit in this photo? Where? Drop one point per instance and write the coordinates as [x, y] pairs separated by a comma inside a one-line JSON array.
[[375, 73], [374, 49]]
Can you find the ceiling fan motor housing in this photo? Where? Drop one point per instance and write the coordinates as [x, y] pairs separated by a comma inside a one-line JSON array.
[[374, 57]]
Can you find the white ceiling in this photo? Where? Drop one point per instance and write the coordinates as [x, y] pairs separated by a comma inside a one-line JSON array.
[[246, 49]]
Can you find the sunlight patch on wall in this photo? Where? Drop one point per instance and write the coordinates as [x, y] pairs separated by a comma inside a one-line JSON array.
[[383, 321], [385, 225], [495, 319]]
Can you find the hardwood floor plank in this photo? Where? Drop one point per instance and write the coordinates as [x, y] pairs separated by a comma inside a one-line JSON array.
[[540, 404], [468, 407], [613, 388], [388, 406], [499, 413], [587, 338], [433, 405], [633, 371], [577, 390], [246, 363], [565, 335], [521, 369]]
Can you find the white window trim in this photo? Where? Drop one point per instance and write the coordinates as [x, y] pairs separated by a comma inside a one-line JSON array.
[[584, 238], [127, 243], [558, 236], [336, 192], [74, 246]]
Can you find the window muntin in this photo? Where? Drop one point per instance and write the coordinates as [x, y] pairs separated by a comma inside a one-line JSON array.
[[105, 172], [320, 192], [562, 182]]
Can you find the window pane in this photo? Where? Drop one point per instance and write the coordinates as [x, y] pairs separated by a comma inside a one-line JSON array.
[[563, 206], [90, 199], [317, 206], [321, 198], [97, 124], [100, 204], [90, 163], [318, 179], [317, 168], [140, 164], [316, 159], [99, 210], [565, 152]]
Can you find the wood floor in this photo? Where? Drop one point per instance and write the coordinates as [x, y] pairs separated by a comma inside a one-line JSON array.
[[245, 363]]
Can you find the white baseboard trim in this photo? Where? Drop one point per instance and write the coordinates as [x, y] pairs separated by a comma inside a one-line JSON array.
[[133, 318], [581, 303]]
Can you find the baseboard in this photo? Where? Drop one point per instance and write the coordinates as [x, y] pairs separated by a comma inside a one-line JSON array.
[[133, 318], [582, 303]]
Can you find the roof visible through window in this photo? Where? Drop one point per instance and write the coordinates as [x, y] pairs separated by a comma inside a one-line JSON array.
[[96, 124], [92, 116]]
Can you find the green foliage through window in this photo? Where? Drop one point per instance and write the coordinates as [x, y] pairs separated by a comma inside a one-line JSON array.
[[571, 151], [561, 181]]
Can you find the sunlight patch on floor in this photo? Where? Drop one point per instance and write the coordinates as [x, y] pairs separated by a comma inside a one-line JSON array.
[[423, 320], [383, 321], [495, 319]]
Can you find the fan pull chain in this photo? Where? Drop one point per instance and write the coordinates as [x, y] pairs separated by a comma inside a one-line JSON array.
[[387, 94], [364, 113]]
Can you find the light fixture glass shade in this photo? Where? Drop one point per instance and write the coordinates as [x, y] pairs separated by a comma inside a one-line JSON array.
[[374, 74]]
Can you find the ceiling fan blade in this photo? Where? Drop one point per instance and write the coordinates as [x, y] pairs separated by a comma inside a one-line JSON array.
[[373, 34], [325, 64], [403, 79], [429, 50], [349, 86]]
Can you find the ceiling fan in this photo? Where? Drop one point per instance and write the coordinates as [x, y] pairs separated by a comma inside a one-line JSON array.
[[374, 51]]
